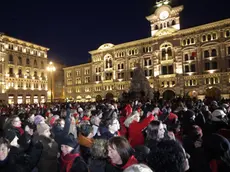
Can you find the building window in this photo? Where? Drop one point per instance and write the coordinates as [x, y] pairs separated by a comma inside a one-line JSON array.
[[108, 76], [27, 61], [227, 33], [19, 60], [87, 71], [211, 65], [35, 63], [214, 53], [190, 82], [165, 70], [11, 59], [166, 52], [206, 54], [147, 49], [147, 62], [77, 73], [98, 77], [87, 79], [78, 81], [148, 73], [69, 74]]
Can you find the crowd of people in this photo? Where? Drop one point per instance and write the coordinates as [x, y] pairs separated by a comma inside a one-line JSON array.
[[152, 136]]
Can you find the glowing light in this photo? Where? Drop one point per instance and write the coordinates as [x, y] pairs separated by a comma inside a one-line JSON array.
[[210, 58], [211, 71]]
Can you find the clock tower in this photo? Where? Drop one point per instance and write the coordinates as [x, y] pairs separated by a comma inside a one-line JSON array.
[[165, 19]]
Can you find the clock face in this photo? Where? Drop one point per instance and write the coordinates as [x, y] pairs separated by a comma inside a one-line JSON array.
[[164, 15]]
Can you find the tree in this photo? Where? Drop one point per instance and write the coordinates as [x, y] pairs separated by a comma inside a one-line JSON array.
[[140, 85]]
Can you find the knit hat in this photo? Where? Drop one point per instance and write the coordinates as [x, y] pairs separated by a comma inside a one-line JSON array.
[[217, 115], [41, 128], [69, 140], [10, 135], [53, 119], [216, 146], [38, 119]]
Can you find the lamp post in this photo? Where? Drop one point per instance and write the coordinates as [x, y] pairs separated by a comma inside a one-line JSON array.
[[51, 68]]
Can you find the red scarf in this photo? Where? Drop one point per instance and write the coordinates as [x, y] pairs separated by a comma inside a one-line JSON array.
[[21, 131], [132, 160], [67, 161]]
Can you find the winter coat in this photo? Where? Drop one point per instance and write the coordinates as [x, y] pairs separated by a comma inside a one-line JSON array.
[[135, 131], [48, 160], [59, 132], [104, 133], [97, 165], [18, 161], [123, 129], [72, 162], [119, 168]]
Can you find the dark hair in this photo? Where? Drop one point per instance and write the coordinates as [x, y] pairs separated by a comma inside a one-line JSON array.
[[58, 121], [4, 141], [122, 146], [168, 156], [152, 130], [86, 129]]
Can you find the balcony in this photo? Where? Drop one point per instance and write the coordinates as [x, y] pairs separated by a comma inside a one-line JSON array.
[[167, 76], [10, 62], [169, 61]]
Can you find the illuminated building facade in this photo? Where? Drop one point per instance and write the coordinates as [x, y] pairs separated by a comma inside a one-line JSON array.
[[193, 61], [23, 75]]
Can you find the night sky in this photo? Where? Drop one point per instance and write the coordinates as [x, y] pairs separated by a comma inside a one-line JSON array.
[[71, 29]]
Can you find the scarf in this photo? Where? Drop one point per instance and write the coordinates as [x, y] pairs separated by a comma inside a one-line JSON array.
[[21, 131], [67, 161], [84, 141]]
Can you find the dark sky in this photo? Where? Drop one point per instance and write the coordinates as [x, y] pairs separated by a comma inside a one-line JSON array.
[[72, 28]]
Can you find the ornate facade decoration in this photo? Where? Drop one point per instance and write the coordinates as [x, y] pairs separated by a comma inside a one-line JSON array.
[[190, 61]]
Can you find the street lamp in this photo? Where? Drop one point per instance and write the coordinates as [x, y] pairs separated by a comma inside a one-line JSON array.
[[51, 68]]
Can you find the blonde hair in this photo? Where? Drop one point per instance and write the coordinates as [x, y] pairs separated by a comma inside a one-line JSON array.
[[138, 168]]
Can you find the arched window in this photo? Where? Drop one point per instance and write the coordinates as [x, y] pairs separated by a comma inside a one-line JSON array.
[[214, 36], [209, 37], [11, 58], [173, 22], [169, 52], [203, 38], [110, 63], [168, 24], [161, 26], [186, 57], [184, 42], [107, 63], [192, 40], [163, 54], [188, 41], [156, 27], [206, 54], [214, 53]]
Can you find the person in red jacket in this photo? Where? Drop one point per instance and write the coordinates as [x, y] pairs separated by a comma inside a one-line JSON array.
[[121, 155], [135, 128]]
